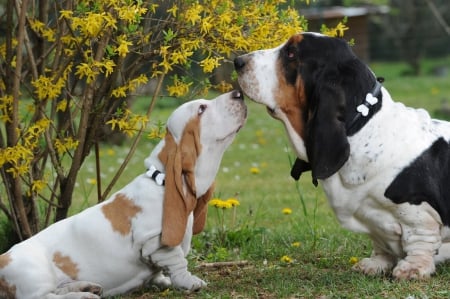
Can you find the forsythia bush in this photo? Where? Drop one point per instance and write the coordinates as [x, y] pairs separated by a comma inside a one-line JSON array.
[[66, 68]]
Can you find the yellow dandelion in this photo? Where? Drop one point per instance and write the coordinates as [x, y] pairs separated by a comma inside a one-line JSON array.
[[254, 170], [296, 244], [353, 260], [92, 181], [286, 259], [286, 211], [215, 202], [233, 201], [224, 205]]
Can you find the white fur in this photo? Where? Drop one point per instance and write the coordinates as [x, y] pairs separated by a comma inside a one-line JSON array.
[[115, 262], [406, 237]]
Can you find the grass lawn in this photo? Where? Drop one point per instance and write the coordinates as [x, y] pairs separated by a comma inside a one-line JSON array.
[[301, 254]]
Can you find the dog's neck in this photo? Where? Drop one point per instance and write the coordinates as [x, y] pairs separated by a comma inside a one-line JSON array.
[[206, 167]]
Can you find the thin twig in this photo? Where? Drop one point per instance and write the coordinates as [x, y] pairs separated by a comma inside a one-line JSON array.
[[438, 16]]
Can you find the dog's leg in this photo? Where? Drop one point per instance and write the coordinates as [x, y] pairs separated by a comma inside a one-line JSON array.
[[77, 290], [421, 245], [379, 262], [443, 254], [173, 261]]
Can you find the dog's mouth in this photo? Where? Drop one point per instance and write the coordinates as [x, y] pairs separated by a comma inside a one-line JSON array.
[[233, 133]]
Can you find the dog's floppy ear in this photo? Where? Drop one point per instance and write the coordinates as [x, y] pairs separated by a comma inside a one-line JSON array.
[[179, 200], [201, 210], [326, 139]]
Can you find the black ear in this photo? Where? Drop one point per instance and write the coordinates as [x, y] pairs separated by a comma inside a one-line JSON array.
[[326, 139]]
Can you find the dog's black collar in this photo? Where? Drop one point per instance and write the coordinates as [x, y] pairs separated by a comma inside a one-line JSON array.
[[156, 175], [367, 109]]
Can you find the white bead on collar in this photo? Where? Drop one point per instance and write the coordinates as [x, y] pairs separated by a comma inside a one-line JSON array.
[[364, 108], [156, 175]]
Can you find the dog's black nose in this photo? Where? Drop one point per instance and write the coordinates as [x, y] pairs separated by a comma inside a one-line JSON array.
[[239, 63], [237, 94]]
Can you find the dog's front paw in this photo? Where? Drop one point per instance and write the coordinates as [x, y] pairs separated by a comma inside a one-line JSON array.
[[161, 281], [374, 265], [414, 267], [188, 282]]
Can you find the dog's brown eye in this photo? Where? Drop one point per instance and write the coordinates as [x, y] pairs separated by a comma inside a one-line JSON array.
[[201, 109]]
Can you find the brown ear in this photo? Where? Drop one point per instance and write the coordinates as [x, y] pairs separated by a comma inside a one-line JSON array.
[[201, 209], [179, 202]]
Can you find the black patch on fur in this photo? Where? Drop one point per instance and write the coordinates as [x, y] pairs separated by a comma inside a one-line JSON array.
[[426, 179]]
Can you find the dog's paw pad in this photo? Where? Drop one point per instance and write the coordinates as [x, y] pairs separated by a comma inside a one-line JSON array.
[[188, 283], [406, 270], [370, 266]]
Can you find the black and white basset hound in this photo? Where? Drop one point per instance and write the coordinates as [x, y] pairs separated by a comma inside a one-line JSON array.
[[385, 168]]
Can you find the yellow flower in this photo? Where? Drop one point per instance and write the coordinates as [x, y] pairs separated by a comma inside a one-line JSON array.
[[122, 49], [254, 170], [91, 181], [215, 202], [296, 244], [62, 105], [209, 64], [286, 211], [192, 15], [286, 259], [119, 92], [220, 204], [66, 144], [353, 260], [173, 10], [223, 86], [233, 201]]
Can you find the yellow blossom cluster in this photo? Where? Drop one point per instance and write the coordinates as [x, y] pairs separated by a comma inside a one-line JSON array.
[[224, 204], [337, 31], [208, 32], [128, 122], [19, 157]]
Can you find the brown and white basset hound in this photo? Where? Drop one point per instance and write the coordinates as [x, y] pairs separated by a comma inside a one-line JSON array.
[[143, 231], [385, 168]]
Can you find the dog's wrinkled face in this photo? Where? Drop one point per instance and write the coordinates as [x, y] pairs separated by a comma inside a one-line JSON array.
[[219, 119]]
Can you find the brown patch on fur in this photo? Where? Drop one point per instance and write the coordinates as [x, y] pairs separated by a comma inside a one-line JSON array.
[[7, 291], [119, 212], [65, 264], [296, 38], [200, 211], [5, 259], [292, 99], [179, 161]]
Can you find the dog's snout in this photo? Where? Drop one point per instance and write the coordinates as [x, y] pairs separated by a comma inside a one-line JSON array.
[[239, 63], [237, 94]]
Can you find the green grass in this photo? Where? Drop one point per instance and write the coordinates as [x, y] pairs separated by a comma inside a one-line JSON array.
[[261, 233]]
